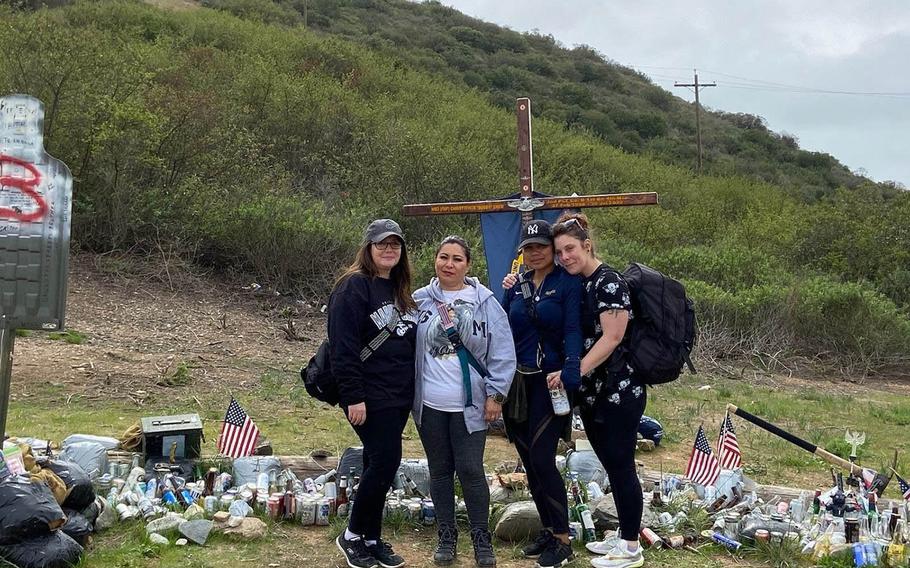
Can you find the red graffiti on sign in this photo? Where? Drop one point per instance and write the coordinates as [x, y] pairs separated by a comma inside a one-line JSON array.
[[28, 186]]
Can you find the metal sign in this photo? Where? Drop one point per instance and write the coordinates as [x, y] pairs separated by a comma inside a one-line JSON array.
[[36, 195], [35, 201]]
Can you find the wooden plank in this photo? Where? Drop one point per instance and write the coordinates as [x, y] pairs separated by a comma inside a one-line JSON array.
[[306, 466], [561, 202]]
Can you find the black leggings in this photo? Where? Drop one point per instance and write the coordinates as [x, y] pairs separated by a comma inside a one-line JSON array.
[[381, 439], [536, 441], [612, 430], [450, 450]]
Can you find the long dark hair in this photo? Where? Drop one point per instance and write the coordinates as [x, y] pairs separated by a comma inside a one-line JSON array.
[[400, 274]]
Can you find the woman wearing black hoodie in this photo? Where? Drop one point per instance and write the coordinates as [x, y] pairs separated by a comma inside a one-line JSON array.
[[372, 330]]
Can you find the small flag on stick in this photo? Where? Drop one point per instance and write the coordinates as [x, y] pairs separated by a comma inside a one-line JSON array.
[[904, 486], [238, 432], [703, 467], [728, 453]]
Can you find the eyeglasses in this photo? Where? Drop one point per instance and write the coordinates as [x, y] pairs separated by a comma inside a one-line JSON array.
[[394, 245]]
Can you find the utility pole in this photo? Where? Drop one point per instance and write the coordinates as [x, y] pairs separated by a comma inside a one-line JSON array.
[[697, 86]]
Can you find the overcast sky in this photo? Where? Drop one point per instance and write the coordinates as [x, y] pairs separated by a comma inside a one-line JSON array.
[[801, 47]]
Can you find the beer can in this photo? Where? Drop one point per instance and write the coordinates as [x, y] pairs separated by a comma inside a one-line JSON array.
[[274, 506], [225, 502], [723, 539], [210, 504], [414, 510], [429, 513], [665, 518], [113, 469], [306, 510], [309, 485], [575, 530], [675, 541], [322, 512], [762, 535], [651, 538], [168, 497]]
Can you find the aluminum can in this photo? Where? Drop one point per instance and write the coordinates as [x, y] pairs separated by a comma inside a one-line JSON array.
[[560, 401], [309, 485], [210, 504], [651, 538], [274, 506], [168, 497], [306, 509], [723, 539], [323, 509], [429, 513], [675, 541], [151, 488], [225, 503], [762, 535], [575, 530], [414, 510]]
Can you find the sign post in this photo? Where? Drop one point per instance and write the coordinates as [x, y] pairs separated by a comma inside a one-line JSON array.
[[36, 193]]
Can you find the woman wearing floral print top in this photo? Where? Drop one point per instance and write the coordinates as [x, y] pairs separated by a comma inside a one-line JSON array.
[[611, 398]]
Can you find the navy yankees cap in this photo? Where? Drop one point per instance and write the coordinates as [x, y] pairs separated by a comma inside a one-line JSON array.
[[537, 231]]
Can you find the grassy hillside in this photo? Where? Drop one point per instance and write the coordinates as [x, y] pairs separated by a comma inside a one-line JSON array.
[[266, 148], [576, 87]]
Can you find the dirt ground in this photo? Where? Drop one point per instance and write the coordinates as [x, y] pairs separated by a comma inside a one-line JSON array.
[[142, 323]]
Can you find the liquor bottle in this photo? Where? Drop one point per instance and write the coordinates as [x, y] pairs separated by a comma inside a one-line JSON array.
[[327, 476], [290, 501], [413, 489], [817, 502], [896, 547], [341, 502]]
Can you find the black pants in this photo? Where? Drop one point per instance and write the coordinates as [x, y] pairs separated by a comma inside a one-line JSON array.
[[612, 430], [451, 450], [381, 439], [536, 441]]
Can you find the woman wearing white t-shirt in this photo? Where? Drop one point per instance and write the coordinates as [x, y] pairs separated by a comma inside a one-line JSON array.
[[459, 391]]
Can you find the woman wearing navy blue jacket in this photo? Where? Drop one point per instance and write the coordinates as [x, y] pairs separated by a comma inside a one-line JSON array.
[[547, 333]]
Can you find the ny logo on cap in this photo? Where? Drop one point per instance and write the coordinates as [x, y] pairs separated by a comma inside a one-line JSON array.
[[532, 229]]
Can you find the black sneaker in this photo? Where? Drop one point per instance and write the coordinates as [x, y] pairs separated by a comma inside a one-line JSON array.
[[446, 548], [557, 554], [356, 553], [383, 553], [483, 548], [535, 548]]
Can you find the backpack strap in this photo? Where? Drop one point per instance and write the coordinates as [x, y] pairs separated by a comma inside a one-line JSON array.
[[384, 334], [465, 357]]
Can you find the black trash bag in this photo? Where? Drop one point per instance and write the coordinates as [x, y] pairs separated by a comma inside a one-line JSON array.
[[55, 550], [78, 484], [27, 510], [92, 511], [77, 526], [351, 457]]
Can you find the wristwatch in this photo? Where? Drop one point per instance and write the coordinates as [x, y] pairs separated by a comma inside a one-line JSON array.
[[498, 397]]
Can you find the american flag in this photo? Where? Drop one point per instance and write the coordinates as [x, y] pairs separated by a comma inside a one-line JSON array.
[[727, 447], [905, 487], [703, 467], [238, 433]]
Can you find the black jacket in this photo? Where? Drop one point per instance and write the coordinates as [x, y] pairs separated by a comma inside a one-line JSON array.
[[359, 308]]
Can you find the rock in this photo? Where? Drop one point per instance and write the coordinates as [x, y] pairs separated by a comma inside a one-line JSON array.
[[499, 494], [221, 516], [249, 528], [606, 517], [194, 512], [240, 508], [180, 542], [158, 539], [519, 521], [234, 521], [196, 530], [166, 523], [645, 445]]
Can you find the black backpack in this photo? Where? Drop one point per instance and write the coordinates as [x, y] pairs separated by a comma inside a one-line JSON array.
[[317, 376], [663, 330]]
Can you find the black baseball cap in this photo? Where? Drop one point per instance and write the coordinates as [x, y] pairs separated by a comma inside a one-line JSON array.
[[380, 229], [537, 231]]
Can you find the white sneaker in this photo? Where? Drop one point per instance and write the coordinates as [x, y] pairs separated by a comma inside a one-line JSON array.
[[620, 557], [611, 539]]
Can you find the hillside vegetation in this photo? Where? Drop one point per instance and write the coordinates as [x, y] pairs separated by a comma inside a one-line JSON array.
[[577, 87], [266, 148]]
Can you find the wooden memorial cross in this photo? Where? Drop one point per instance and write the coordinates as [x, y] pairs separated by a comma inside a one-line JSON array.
[[527, 203]]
